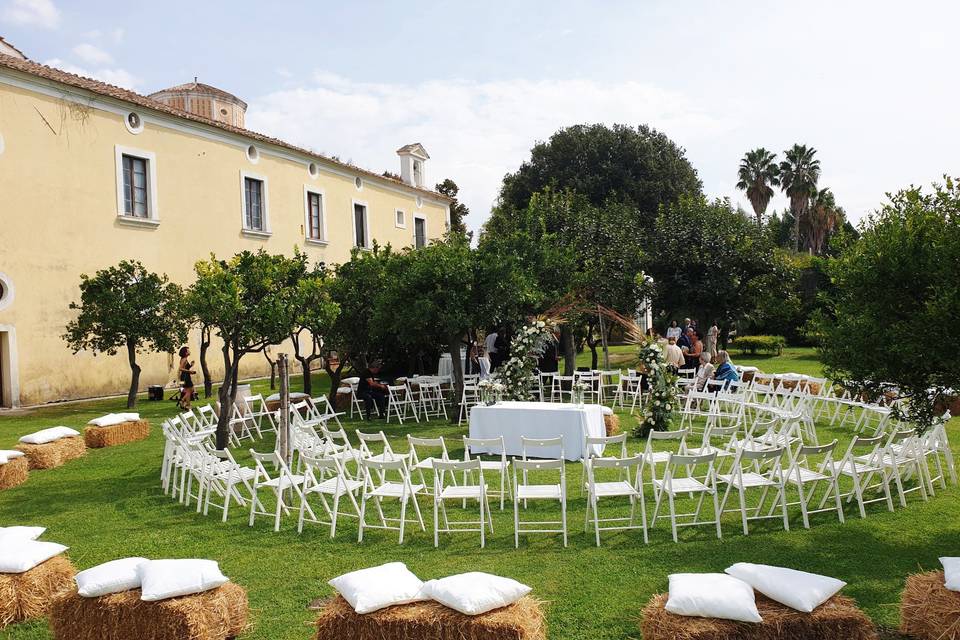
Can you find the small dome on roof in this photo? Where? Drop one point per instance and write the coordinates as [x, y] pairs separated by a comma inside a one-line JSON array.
[[204, 100]]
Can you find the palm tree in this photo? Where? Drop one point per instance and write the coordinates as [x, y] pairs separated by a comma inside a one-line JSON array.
[[798, 179], [758, 175], [821, 220]]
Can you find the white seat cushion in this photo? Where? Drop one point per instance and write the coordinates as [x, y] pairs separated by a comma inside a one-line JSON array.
[[475, 592], [608, 489], [10, 534], [394, 490], [110, 577], [489, 465], [6, 455], [683, 485], [796, 589], [333, 486], [283, 482], [747, 480], [369, 590], [162, 579], [951, 573], [712, 595], [22, 555], [114, 418], [470, 491], [49, 435]]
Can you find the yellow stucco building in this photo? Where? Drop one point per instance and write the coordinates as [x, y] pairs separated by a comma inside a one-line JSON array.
[[91, 174]]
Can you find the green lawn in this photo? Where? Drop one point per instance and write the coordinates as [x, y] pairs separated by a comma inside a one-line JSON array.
[[109, 505]]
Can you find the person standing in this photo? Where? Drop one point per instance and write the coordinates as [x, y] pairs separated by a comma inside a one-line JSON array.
[[692, 355], [673, 331], [185, 373], [490, 346], [673, 355], [712, 334]]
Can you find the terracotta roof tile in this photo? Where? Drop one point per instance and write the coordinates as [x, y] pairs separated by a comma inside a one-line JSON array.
[[203, 88], [118, 93]]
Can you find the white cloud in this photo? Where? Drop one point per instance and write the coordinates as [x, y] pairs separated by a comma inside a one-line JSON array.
[[92, 54], [475, 132], [118, 77], [38, 13]]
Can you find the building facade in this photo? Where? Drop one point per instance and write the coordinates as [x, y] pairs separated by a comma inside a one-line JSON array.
[[91, 174]]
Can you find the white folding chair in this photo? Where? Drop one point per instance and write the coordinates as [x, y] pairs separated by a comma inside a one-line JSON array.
[[599, 486], [590, 443], [936, 450], [803, 471], [500, 466], [256, 409], [591, 382], [285, 481], [748, 473], [672, 485], [399, 402], [325, 477], [442, 492], [224, 480], [562, 387], [859, 467], [629, 390], [653, 456], [903, 459], [545, 385], [394, 483], [323, 408], [468, 399], [421, 464], [378, 438], [609, 384], [524, 491], [430, 398], [543, 448]]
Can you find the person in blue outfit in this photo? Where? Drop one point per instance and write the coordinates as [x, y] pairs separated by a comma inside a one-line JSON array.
[[725, 370]]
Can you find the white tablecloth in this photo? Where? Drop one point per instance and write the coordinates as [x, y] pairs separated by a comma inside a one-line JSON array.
[[538, 420]]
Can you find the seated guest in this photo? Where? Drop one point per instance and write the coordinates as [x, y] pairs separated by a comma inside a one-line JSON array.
[[704, 372], [725, 369], [372, 391], [673, 355], [692, 355]]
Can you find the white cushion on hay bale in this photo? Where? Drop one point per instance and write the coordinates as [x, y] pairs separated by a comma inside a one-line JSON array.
[[369, 590], [162, 579], [46, 436], [796, 589], [951, 573], [712, 595], [475, 592], [110, 577]]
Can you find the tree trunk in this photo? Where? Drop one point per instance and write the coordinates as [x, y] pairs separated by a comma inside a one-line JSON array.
[[225, 396], [134, 375], [335, 375], [453, 342], [204, 346], [273, 370], [566, 347], [305, 364]]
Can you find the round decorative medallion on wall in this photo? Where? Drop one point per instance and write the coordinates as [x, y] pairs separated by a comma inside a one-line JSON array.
[[6, 291], [358, 182], [313, 170], [133, 122], [253, 154]]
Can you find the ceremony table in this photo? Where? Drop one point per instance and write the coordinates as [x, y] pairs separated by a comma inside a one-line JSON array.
[[538, 420]]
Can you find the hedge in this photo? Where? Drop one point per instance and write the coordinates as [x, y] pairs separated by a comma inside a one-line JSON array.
[[760, 344]]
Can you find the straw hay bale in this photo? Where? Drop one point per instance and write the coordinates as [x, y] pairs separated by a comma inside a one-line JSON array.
[[612, 423], [928, 610], [217, 614], [53, 454], [130, 431], [27, 595], [14, 472], [523, 620], [836, 619]]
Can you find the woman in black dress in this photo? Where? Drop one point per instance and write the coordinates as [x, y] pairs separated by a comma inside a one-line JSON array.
[[186, 381]]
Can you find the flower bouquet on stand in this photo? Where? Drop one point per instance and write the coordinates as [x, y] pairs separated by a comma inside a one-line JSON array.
[[662, 403]]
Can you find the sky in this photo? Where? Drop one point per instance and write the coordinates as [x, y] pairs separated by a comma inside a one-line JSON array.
[[871, 85]]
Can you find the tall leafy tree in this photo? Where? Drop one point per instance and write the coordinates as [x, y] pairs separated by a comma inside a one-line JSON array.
[[822, 218], [635, 165], [250, 301], [893, 287], [458, 210], [708, 261], [799, 173], [127, 307], [316, 313], [758, 175]]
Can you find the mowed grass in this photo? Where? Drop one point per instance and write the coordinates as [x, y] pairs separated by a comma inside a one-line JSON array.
[[110, 505]]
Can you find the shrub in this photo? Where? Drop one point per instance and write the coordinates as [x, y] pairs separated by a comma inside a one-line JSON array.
[[760, 344]]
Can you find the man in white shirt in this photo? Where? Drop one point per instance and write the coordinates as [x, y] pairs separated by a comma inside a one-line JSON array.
[[490, 346]]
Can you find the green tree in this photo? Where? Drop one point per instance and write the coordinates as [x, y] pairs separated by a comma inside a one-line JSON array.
[[638, 166], [316, 313], [757, 176], [250, 301], [709, 261], [799, 173], [822, 218], [458, 210], [355, 288], [892, 288], [127, 306]]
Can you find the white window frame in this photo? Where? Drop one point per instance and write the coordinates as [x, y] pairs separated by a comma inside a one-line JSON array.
[[255, 233], [307, 190], [366, 223], [426, 234], [396, 218], [153, 209]]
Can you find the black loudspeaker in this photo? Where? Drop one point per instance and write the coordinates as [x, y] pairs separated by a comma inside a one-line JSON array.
[[155, 392]]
